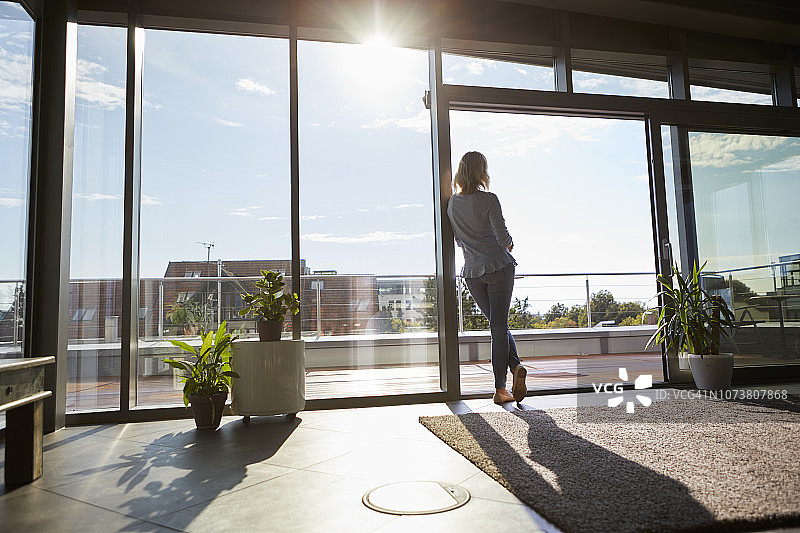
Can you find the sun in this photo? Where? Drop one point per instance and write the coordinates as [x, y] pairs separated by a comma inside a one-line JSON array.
[[374, 65]]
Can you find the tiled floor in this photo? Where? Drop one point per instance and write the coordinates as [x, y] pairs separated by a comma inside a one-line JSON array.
[[308, 475]]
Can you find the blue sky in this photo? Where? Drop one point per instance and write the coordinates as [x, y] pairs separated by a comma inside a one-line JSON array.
[[215, 159], [16, 51]]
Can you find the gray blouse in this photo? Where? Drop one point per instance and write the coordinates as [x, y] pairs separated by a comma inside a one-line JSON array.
[[481, 233]]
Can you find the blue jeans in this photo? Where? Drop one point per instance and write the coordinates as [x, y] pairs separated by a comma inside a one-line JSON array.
[[492, 293]]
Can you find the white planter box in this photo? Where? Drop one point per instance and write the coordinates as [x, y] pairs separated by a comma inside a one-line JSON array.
[[272, 377]]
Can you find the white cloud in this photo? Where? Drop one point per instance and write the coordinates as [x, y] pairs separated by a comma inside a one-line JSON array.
[[787, 165], [476, 67], [723, 150], [228, 123], [380, 237], [641, 177], [711, 94], [587, 83], [21, 13], [15, 80], [150, 200], [246, 211], [92, 91], [405, 206], [521, 71], [647, 88], [98, 197], [312, 217], [13, 130], [252, 86], [10, 202], [525, 136], [420, 123], [273, 218]]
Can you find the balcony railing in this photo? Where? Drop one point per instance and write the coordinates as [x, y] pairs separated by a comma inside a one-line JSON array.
[[332, 305]]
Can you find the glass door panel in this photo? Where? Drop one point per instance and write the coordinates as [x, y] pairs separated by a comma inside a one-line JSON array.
[[366, 221], [215, 190], [95, 288], [745, 194], [16, 95], [575, 197]]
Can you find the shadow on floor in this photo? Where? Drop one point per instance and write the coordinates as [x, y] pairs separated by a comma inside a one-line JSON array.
[[574, 483], [189, 468]]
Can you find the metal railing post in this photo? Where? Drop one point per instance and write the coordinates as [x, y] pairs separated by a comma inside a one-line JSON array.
[[16, 314], [219, 292], [319, 310], [161, 309], [588, 304], [460, 305]]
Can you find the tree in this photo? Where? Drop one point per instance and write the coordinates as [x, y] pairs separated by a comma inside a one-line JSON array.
[[632, 320], [628, 312], [472, 316], [519, 317], [430, 309], [577, 313], [603, 306], [558, 310], [558, 322]]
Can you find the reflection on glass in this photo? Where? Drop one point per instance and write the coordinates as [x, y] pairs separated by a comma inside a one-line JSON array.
[[712, 94], [603, 72], [594, 83], [575, 197], [466, 70], [215, 190], [745, 191], [727, 81], [368, 297], [95, 289], [672, 206], [16, 75]]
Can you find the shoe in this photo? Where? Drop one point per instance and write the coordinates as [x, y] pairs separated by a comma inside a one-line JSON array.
[[499, 398], [519, 389]]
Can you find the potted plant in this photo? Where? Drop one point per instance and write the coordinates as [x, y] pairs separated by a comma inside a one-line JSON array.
[[270, 305], [691, 321], [207, 375]]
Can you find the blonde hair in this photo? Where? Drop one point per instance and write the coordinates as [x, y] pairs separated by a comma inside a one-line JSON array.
[[472, 174]]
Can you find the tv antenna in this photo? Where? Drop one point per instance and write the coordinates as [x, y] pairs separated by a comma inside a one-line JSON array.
[[208, 246]]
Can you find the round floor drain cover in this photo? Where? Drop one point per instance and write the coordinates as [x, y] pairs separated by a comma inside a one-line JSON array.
[[415, 497]]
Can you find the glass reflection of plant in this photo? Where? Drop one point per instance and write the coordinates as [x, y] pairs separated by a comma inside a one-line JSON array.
[[187, 314]]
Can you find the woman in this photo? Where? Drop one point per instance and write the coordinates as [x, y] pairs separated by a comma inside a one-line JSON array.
[[488, 270]]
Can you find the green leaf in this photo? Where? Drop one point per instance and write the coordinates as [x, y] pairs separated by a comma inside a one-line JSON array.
[[183, 346]]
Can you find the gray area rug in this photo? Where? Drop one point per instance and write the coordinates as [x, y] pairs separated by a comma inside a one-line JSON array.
[[738, 470]]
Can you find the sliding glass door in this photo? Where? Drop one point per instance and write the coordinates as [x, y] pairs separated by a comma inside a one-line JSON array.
[[576, 199]]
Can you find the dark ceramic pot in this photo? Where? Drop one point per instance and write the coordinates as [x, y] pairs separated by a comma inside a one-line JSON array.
[[269, 330], [207, 410]]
